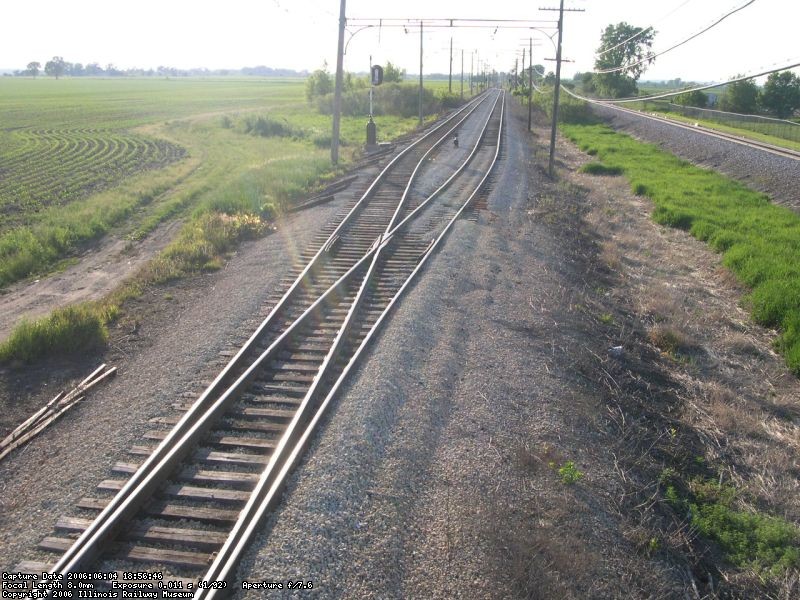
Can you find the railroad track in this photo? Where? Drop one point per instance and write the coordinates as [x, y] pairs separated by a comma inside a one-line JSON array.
[[188, 500], [772, 149]]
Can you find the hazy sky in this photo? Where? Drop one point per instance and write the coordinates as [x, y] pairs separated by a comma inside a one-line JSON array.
[[301, 34]]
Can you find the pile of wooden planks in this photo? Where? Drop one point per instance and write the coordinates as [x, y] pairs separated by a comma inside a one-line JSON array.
[[51, 411]]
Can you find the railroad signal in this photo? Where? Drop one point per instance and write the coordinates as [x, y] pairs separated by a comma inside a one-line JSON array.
[[377, 74]]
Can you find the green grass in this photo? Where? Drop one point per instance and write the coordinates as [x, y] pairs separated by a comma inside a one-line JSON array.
[[217, 173], [596, 168], [66, 331], [759, 241], [751, 540]]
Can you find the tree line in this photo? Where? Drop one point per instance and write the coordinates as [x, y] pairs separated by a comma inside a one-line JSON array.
[[57, 67], [321, 82]]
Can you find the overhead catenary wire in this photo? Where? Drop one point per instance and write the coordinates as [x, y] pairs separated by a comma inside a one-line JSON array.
[[642, 31], [651, 56]]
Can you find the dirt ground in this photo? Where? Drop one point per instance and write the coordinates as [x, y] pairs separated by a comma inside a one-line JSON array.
[[719, 397], [441, 460], [96, 272]]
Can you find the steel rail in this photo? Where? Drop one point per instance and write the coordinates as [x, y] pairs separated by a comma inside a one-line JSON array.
[[252, 510], [228, 557], [87, 545], [771, 148]]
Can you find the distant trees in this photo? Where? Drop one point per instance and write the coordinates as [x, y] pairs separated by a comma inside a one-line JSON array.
[[695, 98], [95, 70], [393, 74], [781, 94], [740, 97], [33, 68], [56, 67], [625, 49], [319, 83]]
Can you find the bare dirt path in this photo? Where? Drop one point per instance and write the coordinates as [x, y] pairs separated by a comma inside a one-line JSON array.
[[98, 271]]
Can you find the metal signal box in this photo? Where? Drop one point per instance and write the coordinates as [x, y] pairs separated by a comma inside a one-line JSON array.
[[377, 74]]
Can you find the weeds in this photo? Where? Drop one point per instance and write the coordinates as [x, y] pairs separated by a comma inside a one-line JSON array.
[[597, 168], [767, 545], [668, 339], [66, 331], [568, 472], [757, 239]]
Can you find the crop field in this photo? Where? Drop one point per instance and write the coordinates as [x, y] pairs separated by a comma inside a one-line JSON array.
[[70, 164], [84, 158]]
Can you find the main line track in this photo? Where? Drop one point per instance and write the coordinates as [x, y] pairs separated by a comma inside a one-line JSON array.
[[195, 493]]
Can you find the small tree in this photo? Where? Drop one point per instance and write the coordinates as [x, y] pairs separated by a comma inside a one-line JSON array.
[[319, 83], [627, 48], [740, 97], [55, 68], [393, 74], [33, 68], [781, 94], [695, 98], [587, 82]]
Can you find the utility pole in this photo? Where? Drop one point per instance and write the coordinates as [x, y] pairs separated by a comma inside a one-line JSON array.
[[450, 79], [471, 69], [462, 73], [523, 67], [420, 72], [337, 95], [530, 80], [557, 89]]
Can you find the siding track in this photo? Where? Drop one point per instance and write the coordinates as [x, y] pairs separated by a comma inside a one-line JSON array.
[[186, 502]]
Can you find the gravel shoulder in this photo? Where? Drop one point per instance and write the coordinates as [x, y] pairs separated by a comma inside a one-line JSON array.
[[774, 175]]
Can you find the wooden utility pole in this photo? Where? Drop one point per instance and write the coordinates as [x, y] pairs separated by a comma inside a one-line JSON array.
[[420, 73], [557, 89], [471, 68], [523, 67], [450, 79], [462, 73], [337, 94], [530, 81]]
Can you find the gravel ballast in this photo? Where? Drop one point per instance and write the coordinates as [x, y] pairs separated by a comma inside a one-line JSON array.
[[776, 176], [419, 483]]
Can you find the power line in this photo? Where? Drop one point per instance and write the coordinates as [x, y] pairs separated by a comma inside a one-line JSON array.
[[643, 31], [650, 57]]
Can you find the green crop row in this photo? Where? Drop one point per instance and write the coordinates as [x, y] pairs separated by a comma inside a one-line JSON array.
[[54, 168]]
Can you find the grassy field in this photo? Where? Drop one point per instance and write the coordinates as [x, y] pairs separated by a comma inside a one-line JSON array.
[[759, 241], [81, 158]]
